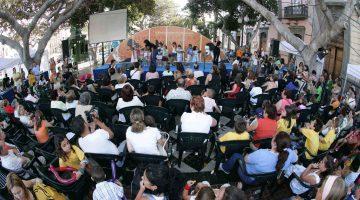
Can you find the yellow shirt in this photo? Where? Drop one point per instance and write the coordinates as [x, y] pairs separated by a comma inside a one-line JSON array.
[[32, 80], [282, 125], [327, 140], [312, 142], [73, 159], [231, 136]]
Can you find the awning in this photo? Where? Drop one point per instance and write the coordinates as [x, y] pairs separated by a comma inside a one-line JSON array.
[[287, 47]]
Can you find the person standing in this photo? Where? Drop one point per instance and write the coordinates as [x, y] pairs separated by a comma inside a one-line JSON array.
[[216, 53], [17, 79], [179, 53], [36, 71]]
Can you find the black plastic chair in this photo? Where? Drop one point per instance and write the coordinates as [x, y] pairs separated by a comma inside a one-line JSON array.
[[196, 89], [156, 82], [104, 160], [260, 99], [192, 142], [106, 112], [105, 95], [59, 119], [201, 80], [263, 143], [177, 106], [151, 100], [126, 112], [45, 108], [141, 160], [72, 111], [163, 118], [119, 133], [50, 157], [228, 107], [137, 84], [231, 147], [24, 142]]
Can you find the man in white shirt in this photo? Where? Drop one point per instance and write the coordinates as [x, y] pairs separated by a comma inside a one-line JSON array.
[[197, 73], [91, 140], [179, 92], [31, 98], [210, 104]]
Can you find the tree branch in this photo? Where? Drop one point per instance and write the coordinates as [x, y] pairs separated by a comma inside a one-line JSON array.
[[21, 31], [337, 27], [55, 12], [255, 31], [53, 27], [12, 43], [326, 12], [39, 14], [281, 28]]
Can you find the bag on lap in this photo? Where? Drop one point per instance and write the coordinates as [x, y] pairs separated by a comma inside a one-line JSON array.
[[44, 192]]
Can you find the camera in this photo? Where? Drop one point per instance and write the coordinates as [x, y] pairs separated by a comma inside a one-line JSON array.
[[91, 114]]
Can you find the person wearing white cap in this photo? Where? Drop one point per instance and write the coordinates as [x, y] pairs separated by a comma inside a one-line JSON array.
[[332, 188]]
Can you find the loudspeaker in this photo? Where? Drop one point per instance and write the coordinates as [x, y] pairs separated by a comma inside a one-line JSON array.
[[65, 49], [274, 48]]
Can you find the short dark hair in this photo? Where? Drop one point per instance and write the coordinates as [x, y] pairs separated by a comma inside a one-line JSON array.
[[127, 93], [180, 82], [96, 171], [234, 193], [270, 110], [240, 125], [318, 124], [152, 68], [151, 89], [77, 125]]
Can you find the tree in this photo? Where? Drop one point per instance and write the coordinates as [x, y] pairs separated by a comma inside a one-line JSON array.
[[327, 31], [23, 21], [226, 14]]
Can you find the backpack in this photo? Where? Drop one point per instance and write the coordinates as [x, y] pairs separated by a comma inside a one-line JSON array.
[[44, 192]]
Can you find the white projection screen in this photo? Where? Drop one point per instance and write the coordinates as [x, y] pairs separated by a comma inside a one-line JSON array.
[[108, 26]]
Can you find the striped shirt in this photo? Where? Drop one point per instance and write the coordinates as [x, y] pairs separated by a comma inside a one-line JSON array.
[[108, 191]]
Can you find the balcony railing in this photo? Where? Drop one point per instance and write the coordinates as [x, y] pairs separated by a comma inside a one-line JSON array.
[[296, 12]]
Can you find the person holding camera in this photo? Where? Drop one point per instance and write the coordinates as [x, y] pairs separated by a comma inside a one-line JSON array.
[[92, 139]]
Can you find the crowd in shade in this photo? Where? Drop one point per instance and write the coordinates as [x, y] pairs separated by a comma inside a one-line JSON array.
[[275, 130]]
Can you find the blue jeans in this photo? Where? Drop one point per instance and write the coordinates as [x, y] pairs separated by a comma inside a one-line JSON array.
[[242, 174]]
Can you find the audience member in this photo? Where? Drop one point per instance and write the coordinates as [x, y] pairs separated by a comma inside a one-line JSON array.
[[179, 92]]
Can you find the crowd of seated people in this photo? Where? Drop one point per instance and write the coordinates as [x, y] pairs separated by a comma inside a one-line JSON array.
[[299, 130]]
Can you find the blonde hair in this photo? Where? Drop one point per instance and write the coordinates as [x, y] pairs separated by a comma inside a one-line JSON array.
[[337, 191], [13, 180], [137, 120]]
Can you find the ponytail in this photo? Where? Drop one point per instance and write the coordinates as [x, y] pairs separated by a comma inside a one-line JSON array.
[[137, 120], [282, 141]]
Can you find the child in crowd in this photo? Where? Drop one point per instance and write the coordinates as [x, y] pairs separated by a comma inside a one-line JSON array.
[[70, 155], [240, 133], [311, 132], [288, 121], [105, 190], [328, 134]]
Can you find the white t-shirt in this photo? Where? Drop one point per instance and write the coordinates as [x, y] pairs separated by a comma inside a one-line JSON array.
[[198, 73], [11, 162], [210, 104], [134, 102], [60, 105], [31, 98], [178, 93], [72, 104], [98, 142], [167, 73], [121, 85], [25, 120], [255, 91], [144, 142], [196, 122], [135, 74]]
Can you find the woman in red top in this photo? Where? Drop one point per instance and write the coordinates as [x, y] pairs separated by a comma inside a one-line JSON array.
[[265, 127], [236, 88]]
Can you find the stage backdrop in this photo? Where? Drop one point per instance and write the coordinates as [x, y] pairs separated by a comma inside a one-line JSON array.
[[167, 35]]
